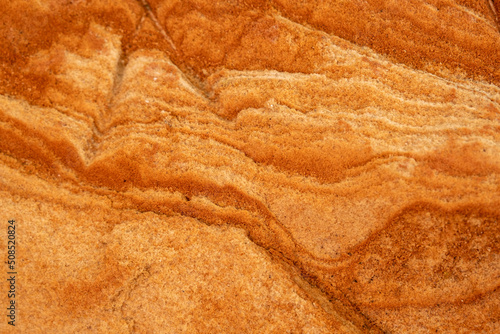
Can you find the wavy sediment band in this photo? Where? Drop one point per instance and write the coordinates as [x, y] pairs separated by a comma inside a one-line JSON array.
[[264, 167]]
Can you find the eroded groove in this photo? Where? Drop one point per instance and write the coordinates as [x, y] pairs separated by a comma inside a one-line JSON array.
[[152, 16]]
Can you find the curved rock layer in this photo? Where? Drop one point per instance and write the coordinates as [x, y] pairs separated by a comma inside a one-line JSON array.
[[252, 166]]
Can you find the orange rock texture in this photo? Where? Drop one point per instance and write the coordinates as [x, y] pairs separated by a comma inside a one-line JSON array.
[[273, 166]]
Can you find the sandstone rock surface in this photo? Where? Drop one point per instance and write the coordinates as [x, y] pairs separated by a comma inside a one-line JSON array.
[[251, 166]]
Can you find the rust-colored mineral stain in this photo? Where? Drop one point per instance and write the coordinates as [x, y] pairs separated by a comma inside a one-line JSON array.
[[265, 166]]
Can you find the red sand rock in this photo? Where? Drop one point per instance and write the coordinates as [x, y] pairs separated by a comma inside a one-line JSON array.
[[252, 166]]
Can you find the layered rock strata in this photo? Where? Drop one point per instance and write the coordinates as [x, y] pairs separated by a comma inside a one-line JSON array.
[[252, 166]]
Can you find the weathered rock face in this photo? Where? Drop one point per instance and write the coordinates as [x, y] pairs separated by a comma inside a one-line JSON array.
[[252, 166]]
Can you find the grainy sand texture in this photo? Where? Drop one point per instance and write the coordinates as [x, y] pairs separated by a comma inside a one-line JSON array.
[[202, 166]]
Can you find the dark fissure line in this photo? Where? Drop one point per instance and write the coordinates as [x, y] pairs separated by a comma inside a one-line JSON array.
[[152, 16]]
